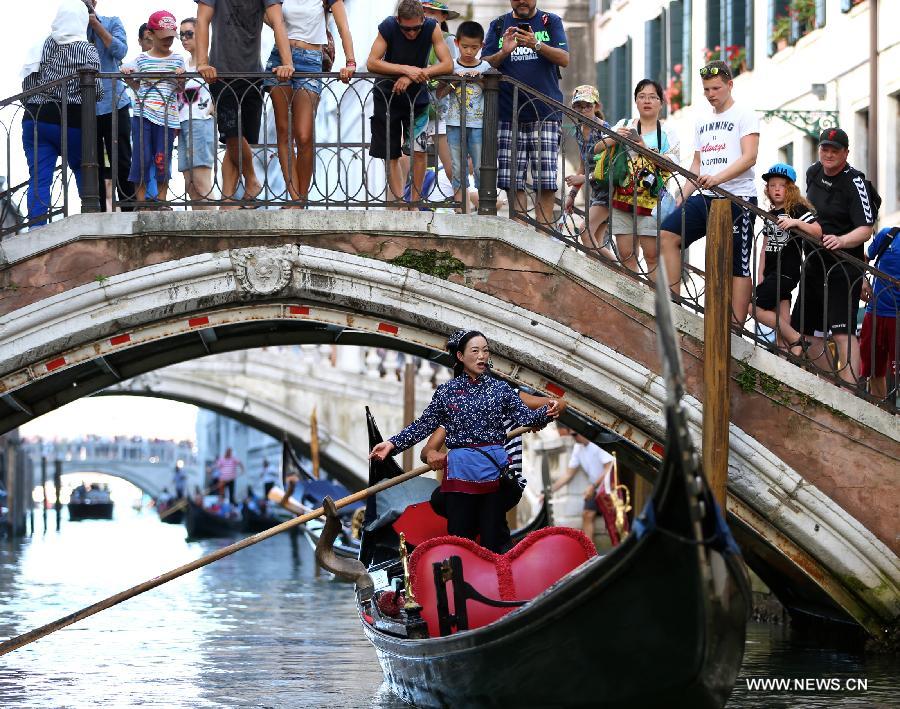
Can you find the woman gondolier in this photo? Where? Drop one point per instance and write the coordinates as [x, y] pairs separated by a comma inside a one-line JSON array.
[[471, 407]]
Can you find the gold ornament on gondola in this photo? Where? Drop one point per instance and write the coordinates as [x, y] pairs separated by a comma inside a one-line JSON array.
[[407, 583], [622, 503], [356, 523]]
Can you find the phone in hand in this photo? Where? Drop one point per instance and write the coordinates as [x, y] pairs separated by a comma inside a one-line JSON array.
[[524, 27]]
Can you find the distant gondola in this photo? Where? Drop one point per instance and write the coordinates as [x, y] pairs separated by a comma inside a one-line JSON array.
[[657, 622], [202, 524], [176, 517], [90, 503]]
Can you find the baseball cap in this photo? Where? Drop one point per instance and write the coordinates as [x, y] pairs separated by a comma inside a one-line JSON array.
[[163, 23], [781, 169], [442, 7], [835, 137], [586, 93]]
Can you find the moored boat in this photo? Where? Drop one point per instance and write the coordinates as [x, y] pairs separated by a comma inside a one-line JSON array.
[[169, 515]]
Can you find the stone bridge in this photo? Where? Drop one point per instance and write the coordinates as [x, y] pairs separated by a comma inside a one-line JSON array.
[[98, 299], [149, 465]]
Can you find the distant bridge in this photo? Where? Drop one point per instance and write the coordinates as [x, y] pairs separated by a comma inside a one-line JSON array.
[[150, 465]]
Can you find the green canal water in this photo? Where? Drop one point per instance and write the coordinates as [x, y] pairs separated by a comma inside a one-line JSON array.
[[259, 629]]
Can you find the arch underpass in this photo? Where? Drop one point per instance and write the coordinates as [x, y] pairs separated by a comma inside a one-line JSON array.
[[133, 293], [344, 462]]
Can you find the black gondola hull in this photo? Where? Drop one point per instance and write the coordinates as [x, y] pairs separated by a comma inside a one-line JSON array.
[[618, 629], [95, 510], [201, 524]]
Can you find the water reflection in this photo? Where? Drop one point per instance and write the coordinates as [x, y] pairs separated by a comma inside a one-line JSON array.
[[257, 629]]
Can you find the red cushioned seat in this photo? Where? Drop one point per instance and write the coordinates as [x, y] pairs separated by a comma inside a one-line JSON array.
[[529, 568], [419, 523]]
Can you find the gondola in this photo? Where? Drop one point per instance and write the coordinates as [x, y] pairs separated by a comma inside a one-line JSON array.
[[203, 524], [90, 503], [176, 517], [657, 622], [254, 522]]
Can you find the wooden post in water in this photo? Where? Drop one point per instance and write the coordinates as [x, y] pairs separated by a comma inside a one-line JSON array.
[[46, 498], [409, 407], [12, 490], [717, 347]]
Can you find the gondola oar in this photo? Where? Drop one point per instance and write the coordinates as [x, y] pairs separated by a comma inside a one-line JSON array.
[[45, 630]]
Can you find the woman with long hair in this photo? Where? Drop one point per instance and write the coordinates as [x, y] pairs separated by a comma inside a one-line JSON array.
[[295, 103], [471, 407]]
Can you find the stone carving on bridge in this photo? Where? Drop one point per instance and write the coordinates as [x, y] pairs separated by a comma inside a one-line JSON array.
[[262, 271]]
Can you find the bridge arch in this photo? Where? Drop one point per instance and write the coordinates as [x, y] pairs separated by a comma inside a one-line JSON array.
[[70, 344], [339, 458], [150, 479]]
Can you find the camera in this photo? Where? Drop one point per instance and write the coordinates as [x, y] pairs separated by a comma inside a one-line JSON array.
[[647, 178]]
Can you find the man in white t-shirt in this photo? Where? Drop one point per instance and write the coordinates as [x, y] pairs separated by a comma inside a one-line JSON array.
[[597, 464], [726, 145]]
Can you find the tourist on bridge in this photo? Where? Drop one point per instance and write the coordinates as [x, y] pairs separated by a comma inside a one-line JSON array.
[[228, 468], [155, 122], [196, 137], [236, 48], [472, 408], [633, 220], [847, 207], [726, 144], [63, 54], [586, 100], [782, 256], [529, 45], [878, 339], [295, 103], [400, 115], [108, 36]]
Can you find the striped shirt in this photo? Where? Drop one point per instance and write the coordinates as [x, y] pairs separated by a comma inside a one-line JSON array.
[[59, 61], [227, 468], [157, 100]]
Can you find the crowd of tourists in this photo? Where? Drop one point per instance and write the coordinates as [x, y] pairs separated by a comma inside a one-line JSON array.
[[637, 210]]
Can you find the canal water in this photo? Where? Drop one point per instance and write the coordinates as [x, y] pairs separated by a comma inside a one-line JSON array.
[[257, 629]]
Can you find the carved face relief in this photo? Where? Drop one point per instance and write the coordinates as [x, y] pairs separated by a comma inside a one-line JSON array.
[[262, 273]]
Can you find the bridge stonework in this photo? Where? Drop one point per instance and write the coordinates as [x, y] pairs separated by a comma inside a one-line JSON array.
[[810, 463]]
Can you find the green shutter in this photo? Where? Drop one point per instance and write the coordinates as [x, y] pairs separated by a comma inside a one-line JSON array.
[[713, 24]]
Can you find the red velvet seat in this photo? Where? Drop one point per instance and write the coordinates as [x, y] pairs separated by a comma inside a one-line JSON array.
[[420, 523], [535, 563]]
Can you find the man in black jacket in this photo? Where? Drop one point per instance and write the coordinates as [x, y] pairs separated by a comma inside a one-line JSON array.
[[846, 206]]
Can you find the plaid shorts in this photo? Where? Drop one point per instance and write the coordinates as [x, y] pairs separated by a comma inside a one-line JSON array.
[[537, 146]]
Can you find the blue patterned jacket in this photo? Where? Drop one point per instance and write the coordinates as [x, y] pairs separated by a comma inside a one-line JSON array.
[[472, 411]]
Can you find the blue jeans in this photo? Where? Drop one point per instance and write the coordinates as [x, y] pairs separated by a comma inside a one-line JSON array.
[[473, 150], [41, 151]]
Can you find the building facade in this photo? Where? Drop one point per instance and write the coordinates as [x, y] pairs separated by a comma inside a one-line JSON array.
[[803, 64]]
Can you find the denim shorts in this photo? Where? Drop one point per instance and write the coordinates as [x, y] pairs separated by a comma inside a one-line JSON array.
[[305, 60], [196, 144], [473, 150]]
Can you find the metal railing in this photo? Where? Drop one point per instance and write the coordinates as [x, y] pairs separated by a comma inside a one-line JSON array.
[[342, 174]]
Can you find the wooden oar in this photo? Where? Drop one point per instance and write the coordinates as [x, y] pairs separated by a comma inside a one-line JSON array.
[[45, 630]]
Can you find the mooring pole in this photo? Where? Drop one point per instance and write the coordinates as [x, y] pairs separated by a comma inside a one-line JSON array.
[[717, 347], [409, 407], [57, 484]]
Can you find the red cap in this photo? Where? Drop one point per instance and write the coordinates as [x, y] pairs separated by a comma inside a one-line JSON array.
[[163, 23]]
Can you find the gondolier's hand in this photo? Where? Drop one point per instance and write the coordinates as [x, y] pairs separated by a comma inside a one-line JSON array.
[[437, 461], [382, 450], [556, 407]]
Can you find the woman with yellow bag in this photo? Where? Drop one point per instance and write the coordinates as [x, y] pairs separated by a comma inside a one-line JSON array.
[[639, 185]]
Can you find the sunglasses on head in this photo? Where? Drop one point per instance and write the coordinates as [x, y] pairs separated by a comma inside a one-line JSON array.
[[187, 34], [714, 71]]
